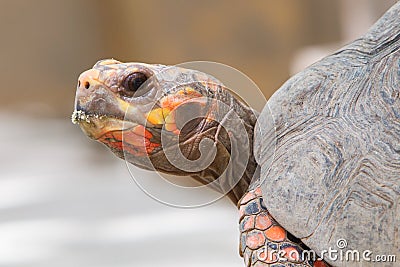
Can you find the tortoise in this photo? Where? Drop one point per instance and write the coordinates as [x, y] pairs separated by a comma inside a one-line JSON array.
[[322, 174]]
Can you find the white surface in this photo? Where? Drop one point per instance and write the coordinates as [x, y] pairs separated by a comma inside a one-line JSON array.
[[67, 201]]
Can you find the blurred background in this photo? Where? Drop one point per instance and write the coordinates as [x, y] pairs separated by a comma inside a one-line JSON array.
[[67, 201]]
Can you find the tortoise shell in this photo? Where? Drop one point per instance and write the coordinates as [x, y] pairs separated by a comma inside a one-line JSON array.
[[334, 175]]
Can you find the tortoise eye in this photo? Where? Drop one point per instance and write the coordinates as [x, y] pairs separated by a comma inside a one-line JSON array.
[[132, 82]]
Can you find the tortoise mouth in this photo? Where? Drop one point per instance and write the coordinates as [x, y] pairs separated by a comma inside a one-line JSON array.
[[118, 134], [96, 125], [80, 115]]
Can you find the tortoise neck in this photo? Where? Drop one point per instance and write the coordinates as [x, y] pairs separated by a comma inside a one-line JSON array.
[[234, 165], [250, 173]]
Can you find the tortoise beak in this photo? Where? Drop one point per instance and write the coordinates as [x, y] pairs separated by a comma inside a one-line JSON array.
[[97, 110]]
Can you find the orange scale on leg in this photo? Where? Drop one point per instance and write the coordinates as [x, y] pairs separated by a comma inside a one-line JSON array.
[[292, 254], [255, 239], [272, 257], [260, 264], [320, 263], [275, 233], [263, 221], [249, 196], [266, 257], [247, 223], [258, 192]]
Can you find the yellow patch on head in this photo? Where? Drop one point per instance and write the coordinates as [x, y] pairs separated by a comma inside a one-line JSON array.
[[156, 116], [170, 117], [123, 105], [170, 127]]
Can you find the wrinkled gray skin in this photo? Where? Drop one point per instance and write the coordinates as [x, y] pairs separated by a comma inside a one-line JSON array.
[[216, 123], [336, 169]]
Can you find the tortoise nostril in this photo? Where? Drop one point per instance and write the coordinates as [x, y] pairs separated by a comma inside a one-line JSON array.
[[88, 79]]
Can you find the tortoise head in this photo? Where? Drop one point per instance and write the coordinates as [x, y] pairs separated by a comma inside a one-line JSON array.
[[164, 118]]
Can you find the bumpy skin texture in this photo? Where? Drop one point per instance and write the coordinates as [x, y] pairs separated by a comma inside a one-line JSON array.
[[263, 242], [182, 106], [130, 125], [336, 169]]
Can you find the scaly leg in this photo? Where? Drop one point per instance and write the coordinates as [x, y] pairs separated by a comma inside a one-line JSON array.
[[263, 242]]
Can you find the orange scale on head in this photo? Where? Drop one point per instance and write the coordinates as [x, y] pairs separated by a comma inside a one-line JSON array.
[[150, 148], [109, 140], [117, 135], [117, 145], [172, 101], [142, 131], [155, 116], [105, 136], [135, 140], [178, 98]]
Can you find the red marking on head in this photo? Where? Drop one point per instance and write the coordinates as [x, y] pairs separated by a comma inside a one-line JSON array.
[[151, 147], [131, 138], [141, 130], [112, 140], [182, 96], [136, 141], [139, 137]]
